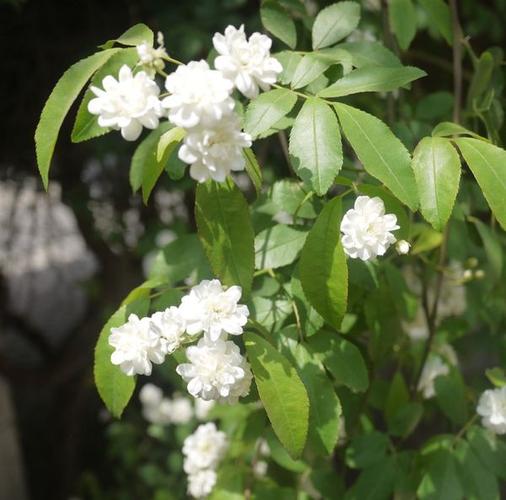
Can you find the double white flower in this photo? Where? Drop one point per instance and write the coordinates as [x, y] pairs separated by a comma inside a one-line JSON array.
[[492, 409], [128, 103]]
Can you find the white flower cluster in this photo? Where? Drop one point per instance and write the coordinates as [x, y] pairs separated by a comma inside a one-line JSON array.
[[216, 369], [157, 409], [199, 99], [437, 364], [203, 451], [367, 230], [492, 409]]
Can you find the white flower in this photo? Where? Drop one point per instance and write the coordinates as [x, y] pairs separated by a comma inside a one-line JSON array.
[[402, 247], [201, 483], [212, 309], [202, 408], [169, 325], [129, 103], [198, 95], [492, 409], [181, 410], [215, 152], [150, 395], [136, 346], [204, 449], [152, 59], [247, 63], [367, 229], [260, 468], [216, 371], [436, 365], [417, 329]]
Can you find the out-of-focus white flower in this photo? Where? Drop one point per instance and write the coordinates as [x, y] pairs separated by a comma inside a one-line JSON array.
[[417, 329], [204, 449], [202, 408], [260, 468], [201, 483], [212, 309], [492, 409], [367, 229], [155, 408], [181, 410], [263, 448], [150, 395], [436, 365], [128, 103], [247, 63], [402, 247], [152, 59], [170, 325], [198, 95], [216, 371], [136, 346], [214, 153]]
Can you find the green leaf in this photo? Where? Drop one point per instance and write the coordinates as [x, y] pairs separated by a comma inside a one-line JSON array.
[[376, 482], [436, 164], [310, 320], [489, 449], [370, 54], [405, 420], [278, 246], [270, 312], [276, 20], [334, 23], [382, 154], [224, 227], [253, 169], [342, 359], [398, 395], [291, 197], [440, 17], [58, 104], [267, 109], [402, 18], [230, 483], [323, 270], [445, 129], [86, 125], [289, 60], [133, 36], [309, 69], [451, 397], [145, 168], [496, 376], [372, 79], [488, 164], [440, 481], [493, 248], [282, 393], [315, 145], [116, 388], [481, 81], [366, 450], [281, 456]]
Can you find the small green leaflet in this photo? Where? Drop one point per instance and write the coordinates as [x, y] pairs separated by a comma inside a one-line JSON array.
[[58, 104], [402, 18], [315, 145], [116, 388], [225, 230], [369, 54], [253, 169], [334, 23], [282, 393], [436, 164], [440, 17], [276, 20], [133, 36], [322, 267]]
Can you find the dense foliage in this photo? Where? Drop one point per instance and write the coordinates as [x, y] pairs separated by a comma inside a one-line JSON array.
[[370, 263]]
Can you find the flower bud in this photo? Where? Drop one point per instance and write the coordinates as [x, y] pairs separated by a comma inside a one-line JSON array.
[[402, 247]]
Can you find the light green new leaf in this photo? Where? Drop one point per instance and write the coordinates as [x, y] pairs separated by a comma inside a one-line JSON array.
[[488, 164], [267, 109], [323, 270], [310, 68], [342, 359], [58, 104], [225, 229], [334, 23], [116, 388], [370, 54], [86, 125], [402, 18], [445, 129], [440, 17], [315, 145], [382, 154], [145, 168], [372, 79], [282, 393], [278, 246], [276, 20], [133, 36], [253, 169], [436, 164]]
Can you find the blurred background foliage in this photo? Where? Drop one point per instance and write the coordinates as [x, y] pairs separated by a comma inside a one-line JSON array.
[[69, 444]]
